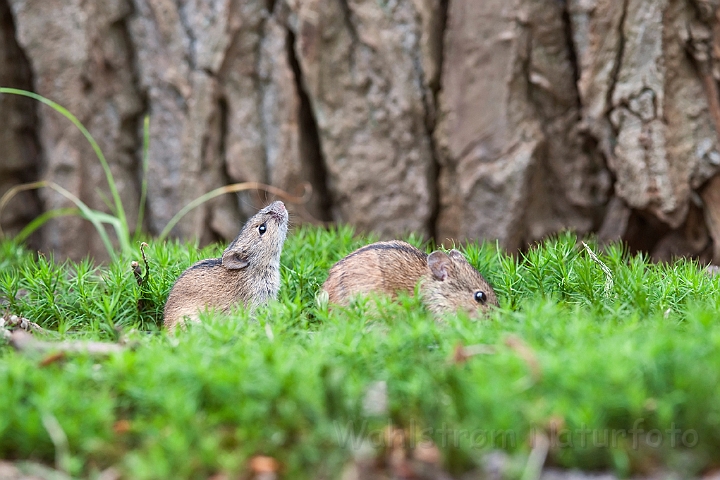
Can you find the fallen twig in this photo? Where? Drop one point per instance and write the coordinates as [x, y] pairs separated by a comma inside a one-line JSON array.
[[13, 321], [462, 353], [24, 342], [60, 441], [33, 470], [538, 455]]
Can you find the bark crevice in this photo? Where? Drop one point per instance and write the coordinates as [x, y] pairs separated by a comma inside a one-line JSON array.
[[309, 137], [188, 30], [352, 30], [347, 18], [572, 53], [614, 75], [223, 112], [23, 155], [133, 126], [462, 120], [431, 112]]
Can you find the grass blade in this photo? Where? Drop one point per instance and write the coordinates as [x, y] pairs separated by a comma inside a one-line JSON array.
[[119, 210], [235, 187], [14, 191], [93, 216], [41, 219]]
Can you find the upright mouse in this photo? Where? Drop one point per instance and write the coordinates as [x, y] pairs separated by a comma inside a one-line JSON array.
[[447, 281], [247, 273]]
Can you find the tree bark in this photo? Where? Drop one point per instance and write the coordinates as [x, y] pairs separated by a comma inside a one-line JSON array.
[[463, 120]]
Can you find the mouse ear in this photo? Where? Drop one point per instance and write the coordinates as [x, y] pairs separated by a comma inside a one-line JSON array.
[[440, 265], [455, 254], [233, 260]]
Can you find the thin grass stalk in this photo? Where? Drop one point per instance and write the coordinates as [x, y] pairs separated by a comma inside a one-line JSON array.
[[40, 220], [14, 191], [88, 214], [119, 210], [235, 187], [93, 216]]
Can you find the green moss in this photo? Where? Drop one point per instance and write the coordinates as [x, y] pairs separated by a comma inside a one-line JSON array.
[[599, 361]]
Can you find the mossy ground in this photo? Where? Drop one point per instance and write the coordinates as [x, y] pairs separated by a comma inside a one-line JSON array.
[[620, 375]]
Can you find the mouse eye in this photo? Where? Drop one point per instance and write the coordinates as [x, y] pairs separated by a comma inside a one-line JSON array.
[[480, 297], [262, 229]]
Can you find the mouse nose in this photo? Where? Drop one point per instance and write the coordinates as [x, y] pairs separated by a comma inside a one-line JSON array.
[[278, 209], [277, 206]]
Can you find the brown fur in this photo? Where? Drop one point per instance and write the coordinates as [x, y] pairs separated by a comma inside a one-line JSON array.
[[248, 271], [447, 281]]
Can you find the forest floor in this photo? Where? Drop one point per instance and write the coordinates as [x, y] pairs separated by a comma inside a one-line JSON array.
[[596, 360]]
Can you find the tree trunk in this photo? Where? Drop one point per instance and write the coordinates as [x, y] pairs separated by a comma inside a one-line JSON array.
[[459, 119]]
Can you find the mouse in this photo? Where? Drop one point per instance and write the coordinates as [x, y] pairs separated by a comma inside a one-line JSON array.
[[447, 281], [248, 272]]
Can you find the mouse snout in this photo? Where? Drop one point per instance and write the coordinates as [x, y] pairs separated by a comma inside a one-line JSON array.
[[277, 209]]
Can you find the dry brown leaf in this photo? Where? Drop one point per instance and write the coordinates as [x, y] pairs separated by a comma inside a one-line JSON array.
[[427, 452], [461, 354], [121, 426], [52, 358], [521, 348], [264, 464]]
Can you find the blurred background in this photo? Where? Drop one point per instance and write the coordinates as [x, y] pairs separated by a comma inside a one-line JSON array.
[[455, 119]]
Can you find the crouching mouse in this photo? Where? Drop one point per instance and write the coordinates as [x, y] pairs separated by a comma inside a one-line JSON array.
[[248, 271], [448, 282]]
